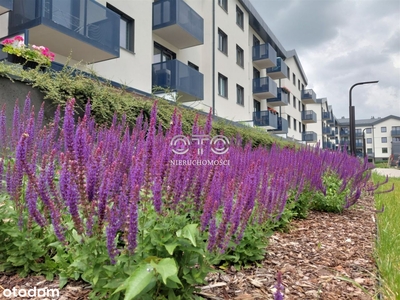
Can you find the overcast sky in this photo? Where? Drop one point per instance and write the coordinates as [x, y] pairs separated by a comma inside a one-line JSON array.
[[342, 42]]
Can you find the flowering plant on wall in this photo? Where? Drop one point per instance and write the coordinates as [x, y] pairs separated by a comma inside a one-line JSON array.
[[39, 54]]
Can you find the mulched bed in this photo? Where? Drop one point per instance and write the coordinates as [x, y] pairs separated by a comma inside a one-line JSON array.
[[318, 257]]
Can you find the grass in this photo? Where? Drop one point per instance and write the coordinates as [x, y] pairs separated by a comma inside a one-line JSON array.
[[388, 243]]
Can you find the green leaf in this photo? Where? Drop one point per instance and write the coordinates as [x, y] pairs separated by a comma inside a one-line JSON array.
[[166, 268], [171, 247], [76, 236], [137, 282], [190, 232]]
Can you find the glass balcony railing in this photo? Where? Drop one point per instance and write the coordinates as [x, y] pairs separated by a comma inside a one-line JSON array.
[[344, 132], [282, 126], [265, 118], [279, 71], [178, 77], [177, 23], [308, 96], [326, 130], [309, 136], [326, 115], [5, 6], [280, 100], [265, 88], [395, 132], [264, 56], [84, 30], [308, 116]]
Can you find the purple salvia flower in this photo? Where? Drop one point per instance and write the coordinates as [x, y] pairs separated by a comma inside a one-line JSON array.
[[31, 201], [68, 126], [1, 173], [278, 295], [3, 129]]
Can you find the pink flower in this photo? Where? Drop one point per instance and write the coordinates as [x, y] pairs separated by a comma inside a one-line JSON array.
[[7, 42], [19, 38]]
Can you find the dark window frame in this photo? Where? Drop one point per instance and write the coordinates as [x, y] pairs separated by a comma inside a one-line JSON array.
[[129, 43], [222, 41], [239, 95], [239, 17], [239, 56], [225, 79]]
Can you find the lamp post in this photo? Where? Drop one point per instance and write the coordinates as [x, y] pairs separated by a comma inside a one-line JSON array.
[[352, 117], [364, 145]]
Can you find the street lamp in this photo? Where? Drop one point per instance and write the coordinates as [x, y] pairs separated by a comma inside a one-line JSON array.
[[364, 145], [352, 118]]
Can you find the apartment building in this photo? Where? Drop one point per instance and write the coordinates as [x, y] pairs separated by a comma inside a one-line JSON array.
[[379, 133], [216, 55]]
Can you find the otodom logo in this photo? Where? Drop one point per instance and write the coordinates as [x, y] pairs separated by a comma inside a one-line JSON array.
[[181, 143]]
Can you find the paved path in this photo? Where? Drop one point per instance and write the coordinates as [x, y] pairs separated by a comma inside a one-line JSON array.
[[390, 172]]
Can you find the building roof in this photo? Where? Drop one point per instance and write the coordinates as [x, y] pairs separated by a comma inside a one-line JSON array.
[[366, 122], [259, 26]]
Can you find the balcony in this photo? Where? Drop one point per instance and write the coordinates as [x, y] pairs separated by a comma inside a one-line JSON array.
[[264, 56], [327, 145], [282, 126], [395, 132], [264, 88], [177, 23], [332, 134], [84, 30], [345, 142], [331, 120], [278, 72], [178, 77], [308, 116], [5, 6], [359, 133], [309, 136], [266, 119], [308, 96], [280, 100], [326, 115], [359, 144], [326, 130], [344, 132]]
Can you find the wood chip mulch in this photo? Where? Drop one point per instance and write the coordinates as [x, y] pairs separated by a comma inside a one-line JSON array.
[[327, 256]]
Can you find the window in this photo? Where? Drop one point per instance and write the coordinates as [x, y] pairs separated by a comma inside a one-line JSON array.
[[384, 150], [294, 124], [256, 73], [222, 86], [299, 126], [193, 66], [257, 105], [239, 17], [294, 79], [369, 141], [369, 150], [294, 101], [222, 41], [288, 72], [288, 121], [162, 54], [298, 84], [384, 140], [368, 130], [299, 105], [302, 87], [383, 129], [239, 56], [239, 95], [126, 29], [288, 97], [223, 4]]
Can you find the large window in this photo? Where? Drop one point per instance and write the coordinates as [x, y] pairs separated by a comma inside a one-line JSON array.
[[257, 105], [369, 141], [223, 4], [368, 130], [239, 17], [294, 124], [294, 79], [288, 121], [222, 41], [294, 101], [384, 140], [239, 56], [369, 150], [383, 129], [222, 86], [239, 95], [126, 29], [384, 150]]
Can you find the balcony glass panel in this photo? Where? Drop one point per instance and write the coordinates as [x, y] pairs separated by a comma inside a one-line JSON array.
[[177, 76], [280, 100], [308, 96], [326, 130], [279, 71], [66, 21], [309, 136], [190, 25], [395, 132], [326, 115], [264, 85], [264, 56], [265, 118], [308, 115], [282, 126]]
